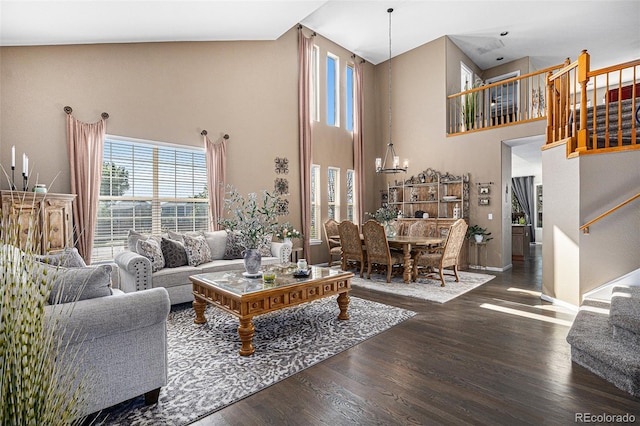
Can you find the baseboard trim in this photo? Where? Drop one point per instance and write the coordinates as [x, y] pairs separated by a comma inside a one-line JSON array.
[[559, 302], [491, 268]]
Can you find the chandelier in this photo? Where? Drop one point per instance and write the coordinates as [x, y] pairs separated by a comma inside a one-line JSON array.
[[390, 155]]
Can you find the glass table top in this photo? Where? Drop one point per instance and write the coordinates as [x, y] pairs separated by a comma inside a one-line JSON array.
[[235, 282]]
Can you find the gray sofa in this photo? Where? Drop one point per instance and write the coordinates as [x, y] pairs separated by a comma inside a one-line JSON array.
[[136, 272], [122, 341]]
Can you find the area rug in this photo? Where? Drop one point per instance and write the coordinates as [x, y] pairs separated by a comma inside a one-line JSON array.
[[424, 288], [206, 373]]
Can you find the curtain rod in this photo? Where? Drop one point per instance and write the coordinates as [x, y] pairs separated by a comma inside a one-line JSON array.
[[204, 133], [69, 110]]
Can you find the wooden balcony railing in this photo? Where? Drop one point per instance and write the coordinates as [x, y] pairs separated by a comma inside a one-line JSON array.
[[506, 102], [610, 119]]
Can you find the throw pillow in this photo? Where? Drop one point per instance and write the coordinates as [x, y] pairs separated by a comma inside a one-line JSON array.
[[217, 241], [197, 249], [68, 285], [177, 236], [151, 249], [233, 249], [265, 247], [174, 253], [69, 258], [135, 236]]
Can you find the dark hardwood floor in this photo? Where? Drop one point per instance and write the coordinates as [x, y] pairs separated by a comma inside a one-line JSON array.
[[495, 355]]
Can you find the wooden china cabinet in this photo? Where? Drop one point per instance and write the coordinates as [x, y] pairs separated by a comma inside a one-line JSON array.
[[442, 196], [50, 215]]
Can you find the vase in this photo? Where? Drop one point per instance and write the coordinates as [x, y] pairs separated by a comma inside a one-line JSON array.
[[285, 252], [252, 260], [389, 229], [478, 238]]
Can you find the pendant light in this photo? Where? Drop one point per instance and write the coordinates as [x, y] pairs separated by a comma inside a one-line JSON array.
[[381, 166]]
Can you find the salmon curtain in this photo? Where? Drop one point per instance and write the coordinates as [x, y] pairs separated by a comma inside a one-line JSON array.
[[85, 144], [305, 54], [216, 153], [358, 139]]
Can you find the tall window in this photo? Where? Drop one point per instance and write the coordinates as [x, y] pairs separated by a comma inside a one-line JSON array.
[[315, 202], [333, 193], [349, 94], [350, 195], [315, 84], [151, 188], [333, 90]]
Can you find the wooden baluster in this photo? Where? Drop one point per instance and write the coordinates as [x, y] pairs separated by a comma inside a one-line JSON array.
[[583, 71]]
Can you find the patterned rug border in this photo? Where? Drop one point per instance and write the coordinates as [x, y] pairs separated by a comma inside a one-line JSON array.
[[312, 325], [424, 288]]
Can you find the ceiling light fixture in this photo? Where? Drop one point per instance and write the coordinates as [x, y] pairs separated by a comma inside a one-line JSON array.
[[381, 166], [504, 33], [499, 58]]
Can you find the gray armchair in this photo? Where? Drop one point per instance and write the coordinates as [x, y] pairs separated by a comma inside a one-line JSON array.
[[123, 342]]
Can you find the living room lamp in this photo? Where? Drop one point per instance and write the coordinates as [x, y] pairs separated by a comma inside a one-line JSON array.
[[381, 166]]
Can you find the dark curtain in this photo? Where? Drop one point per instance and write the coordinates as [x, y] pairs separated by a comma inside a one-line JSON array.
[[523, 191]]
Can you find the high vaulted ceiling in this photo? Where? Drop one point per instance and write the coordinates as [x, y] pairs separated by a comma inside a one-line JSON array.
[[546, 31]]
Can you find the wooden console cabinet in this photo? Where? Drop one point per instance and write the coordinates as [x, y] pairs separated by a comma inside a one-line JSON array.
[[50, 215], [520, 240]]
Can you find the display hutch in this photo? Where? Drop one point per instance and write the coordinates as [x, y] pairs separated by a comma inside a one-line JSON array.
[[50, 215], [436, 197]]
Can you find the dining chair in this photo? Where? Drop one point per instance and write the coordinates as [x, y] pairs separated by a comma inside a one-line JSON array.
[[419, 228], [378, 252], [351, 245], [330, 230], [442, 257]]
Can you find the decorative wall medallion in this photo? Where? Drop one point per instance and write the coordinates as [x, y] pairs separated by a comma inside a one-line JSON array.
[[282, 165], [283, 207], [281, 186]]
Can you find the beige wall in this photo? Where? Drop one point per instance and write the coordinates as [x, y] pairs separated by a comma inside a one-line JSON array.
[[170, 92], [157, 91], [422, 78]]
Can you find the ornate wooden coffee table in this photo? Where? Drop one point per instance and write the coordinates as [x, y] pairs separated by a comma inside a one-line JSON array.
[[248, 297]]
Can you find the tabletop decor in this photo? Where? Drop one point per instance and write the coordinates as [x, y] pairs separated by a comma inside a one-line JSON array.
[[286, 232], [254, 218], [384, 215]]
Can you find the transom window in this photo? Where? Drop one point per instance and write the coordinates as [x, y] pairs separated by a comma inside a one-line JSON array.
[[333, 90], [349, 89], [150, 187]]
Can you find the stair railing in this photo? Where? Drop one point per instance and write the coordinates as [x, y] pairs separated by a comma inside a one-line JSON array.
[[585, 228], [511, 101], [609, 120]]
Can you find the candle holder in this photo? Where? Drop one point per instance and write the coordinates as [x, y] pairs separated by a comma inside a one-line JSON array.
[[24, 182], [13, 178]]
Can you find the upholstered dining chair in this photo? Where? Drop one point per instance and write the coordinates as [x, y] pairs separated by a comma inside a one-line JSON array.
[[377, 246], [419, 228], [351, 245], [442, 257], [330, 230]]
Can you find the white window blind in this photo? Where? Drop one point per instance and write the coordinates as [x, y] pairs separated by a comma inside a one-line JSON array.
[[315, 202], [151, 188]]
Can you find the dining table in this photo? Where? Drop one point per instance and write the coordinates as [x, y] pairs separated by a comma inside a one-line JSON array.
[[408, 243]]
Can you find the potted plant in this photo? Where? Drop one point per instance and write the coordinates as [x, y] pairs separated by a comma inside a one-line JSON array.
[[34, 388], [254, 219], [286, 232], [384, 215], [478, 233]]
